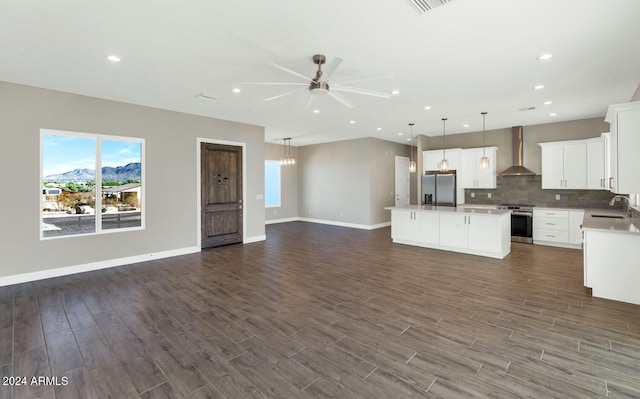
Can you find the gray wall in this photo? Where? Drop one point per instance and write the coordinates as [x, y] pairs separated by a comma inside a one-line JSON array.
[[288, 184], [348, 181], [171, 172]]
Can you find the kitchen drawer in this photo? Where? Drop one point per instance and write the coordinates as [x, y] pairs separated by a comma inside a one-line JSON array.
[[548, 223], [544, 213], [550, 235]]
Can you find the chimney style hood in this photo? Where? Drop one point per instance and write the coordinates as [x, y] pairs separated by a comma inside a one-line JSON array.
[[517, 148]]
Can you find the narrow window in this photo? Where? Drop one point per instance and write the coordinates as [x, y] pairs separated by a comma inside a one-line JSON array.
[[271, 184]]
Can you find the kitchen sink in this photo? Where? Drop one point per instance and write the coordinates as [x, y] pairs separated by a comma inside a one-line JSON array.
[[608, 216]]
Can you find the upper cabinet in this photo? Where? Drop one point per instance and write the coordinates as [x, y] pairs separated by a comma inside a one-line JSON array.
[[564, 165], [472, 175], [597, 163], [624, 120], [431, 159]]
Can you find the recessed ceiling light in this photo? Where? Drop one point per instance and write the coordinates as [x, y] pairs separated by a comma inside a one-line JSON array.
[[395, 92], [379, 128], [235, 90], [352, 122], [552, 114], [408, 139], [316, 111], [545, 56], [547, 103], [428, 107], [465, 125], [113, 58], [399, 134], [538, 87]]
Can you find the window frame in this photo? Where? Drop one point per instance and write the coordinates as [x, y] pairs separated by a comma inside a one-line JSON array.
[[268, 161], [99, 230]]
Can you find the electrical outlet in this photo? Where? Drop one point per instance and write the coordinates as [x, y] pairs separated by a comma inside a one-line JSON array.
[[473, 195], [557, 197], [488, 195], [275, 212]]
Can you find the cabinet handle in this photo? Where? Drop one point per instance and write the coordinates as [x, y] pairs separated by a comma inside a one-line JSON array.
[[551, 224], [565, 182], [549, 235], [561, 183], [610, 184]]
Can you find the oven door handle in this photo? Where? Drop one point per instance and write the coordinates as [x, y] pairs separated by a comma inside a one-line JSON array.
[[522, 214]]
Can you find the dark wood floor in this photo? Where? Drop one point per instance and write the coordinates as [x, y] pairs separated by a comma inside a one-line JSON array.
[[322, 311]]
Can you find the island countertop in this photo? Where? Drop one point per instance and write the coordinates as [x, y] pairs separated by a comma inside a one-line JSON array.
[[450, 209]]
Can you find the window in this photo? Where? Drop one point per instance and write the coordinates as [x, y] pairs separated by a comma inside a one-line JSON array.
[[271, 184], [90, 183]]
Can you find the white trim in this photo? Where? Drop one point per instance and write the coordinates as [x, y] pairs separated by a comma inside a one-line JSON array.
[[285, 220], [343, 224], [200, 140], [249, 240], [87, 267]]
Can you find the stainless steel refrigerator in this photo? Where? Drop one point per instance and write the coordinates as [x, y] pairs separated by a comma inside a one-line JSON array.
[[439, 188]]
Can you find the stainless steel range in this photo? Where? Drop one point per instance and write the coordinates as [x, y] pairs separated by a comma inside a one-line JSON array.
[[521, 222]]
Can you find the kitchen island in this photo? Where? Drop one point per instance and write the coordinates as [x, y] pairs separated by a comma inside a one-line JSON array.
[[611, 256], [476, 231]]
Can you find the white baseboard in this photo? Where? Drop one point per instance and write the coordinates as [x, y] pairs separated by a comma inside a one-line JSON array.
[[343, 224], [249, 240], [285, 220], [87, 267]]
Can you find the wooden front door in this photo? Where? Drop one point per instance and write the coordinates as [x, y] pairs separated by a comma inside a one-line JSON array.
[[221, 173]]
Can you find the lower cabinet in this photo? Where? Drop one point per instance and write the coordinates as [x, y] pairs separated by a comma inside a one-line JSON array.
[[421, 227], [476, 232], [560, 228]]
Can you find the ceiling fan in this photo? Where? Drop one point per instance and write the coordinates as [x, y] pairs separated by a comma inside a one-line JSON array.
[[319, 84]]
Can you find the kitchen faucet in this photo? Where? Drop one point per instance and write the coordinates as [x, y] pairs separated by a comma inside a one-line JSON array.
[[621, 197]]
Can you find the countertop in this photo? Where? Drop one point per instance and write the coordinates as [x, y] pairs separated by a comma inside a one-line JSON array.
[[626, 225], [451, 209]]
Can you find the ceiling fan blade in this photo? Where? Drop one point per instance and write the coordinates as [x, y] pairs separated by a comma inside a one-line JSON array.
[[340, 98], [289, 71], [331, 68], [284, 94], [357, 90], [274, 83], [363, 77], [309, 102]]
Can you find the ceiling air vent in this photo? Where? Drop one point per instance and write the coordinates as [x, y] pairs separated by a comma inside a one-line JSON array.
[[422, 6]]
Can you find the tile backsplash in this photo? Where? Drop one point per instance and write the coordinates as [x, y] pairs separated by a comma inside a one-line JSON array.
[[527, 190]]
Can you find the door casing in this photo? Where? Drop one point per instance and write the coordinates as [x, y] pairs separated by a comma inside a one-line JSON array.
[[199, 141]]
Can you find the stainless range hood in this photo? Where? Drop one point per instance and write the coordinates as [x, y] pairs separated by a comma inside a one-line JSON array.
[[517, 148]]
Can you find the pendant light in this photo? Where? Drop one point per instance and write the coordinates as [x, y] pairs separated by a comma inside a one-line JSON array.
[[412, 163], [287, 159], [484, 161], [444, 164]]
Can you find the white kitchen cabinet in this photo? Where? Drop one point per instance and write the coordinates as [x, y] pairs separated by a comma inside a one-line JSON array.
[[611, 262], [415, 226], [453, 230], [556, 227], [597, 176], [575, 227], [564, 165], [471, 174], [624, 120], [431, 159], [475, 232]]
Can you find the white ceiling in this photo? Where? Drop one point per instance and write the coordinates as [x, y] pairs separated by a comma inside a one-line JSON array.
[[461, 58]]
